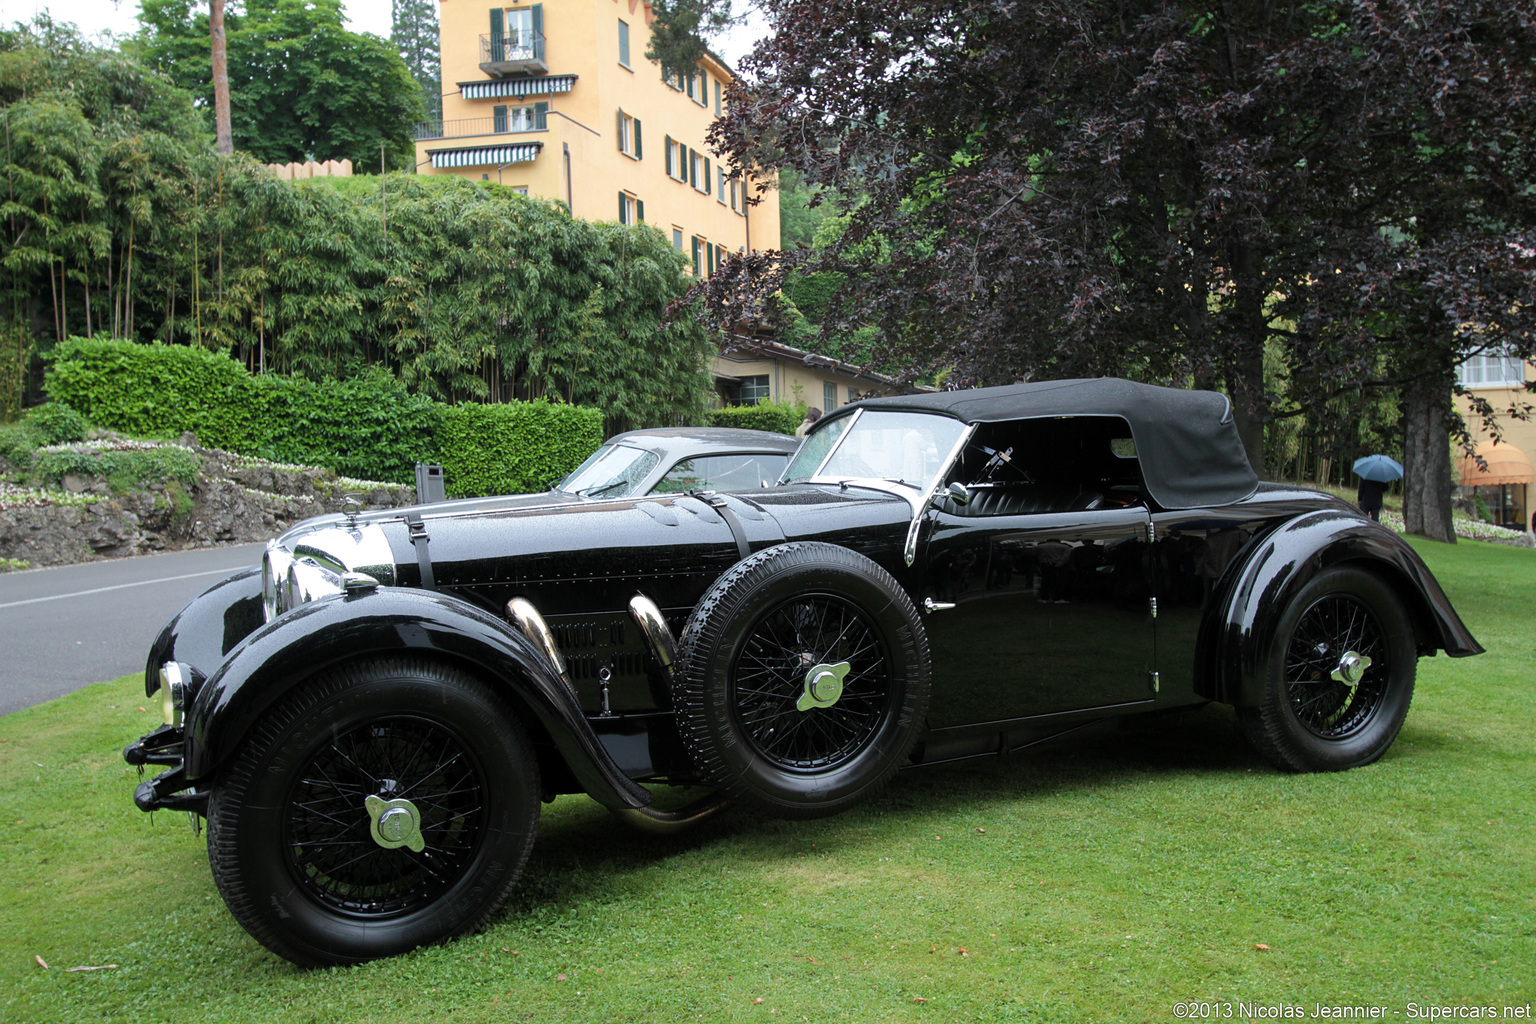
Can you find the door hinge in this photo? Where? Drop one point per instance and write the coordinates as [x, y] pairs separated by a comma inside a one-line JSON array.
[[1156, 681], [1153, 603]]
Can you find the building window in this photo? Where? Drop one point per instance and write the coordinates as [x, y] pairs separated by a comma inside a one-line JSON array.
[[853, 396], [530, 118], [717, 97], [1487, 371], [751, 390], [702, 251], [521, 190], [677, 239], [624, 43], [517, 33], [828, 396], [629, 135], [720, 180], [631, 210], [670, 77], [695, 165], [677, 160]]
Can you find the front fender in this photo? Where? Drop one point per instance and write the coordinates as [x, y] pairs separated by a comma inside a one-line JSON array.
[[1236, 638], [293, 647], [208, 627]]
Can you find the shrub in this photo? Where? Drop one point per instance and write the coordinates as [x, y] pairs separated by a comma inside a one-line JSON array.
[[158, 391], [55, 423], [513, 448], [369, 426], [781, 417], [123, 468]]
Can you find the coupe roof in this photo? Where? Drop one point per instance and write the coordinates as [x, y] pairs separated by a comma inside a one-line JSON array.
[[1186, 441]]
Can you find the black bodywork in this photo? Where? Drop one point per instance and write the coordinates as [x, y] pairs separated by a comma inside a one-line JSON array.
[[1106, 552]]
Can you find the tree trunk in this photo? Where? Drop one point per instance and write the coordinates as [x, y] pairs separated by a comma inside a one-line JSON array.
[[1427, 456], [224, 136], [1250, 403]]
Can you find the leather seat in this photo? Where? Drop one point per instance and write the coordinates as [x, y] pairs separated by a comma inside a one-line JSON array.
[[1029, 499]]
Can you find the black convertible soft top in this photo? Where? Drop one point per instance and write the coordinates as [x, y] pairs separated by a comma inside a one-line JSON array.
[[1186, 441]]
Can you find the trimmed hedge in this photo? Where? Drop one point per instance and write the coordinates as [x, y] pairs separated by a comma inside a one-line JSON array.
[[780, 417], [515, 447], [158, 391], [369, 426]]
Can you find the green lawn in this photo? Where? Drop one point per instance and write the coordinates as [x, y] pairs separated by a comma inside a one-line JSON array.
[[1101, 881]]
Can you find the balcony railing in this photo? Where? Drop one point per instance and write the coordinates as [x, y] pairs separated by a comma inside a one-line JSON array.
[[516, 52], [517, 121]]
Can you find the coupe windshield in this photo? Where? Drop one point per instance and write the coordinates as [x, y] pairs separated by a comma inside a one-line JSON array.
[[907, 447], [610, 472]]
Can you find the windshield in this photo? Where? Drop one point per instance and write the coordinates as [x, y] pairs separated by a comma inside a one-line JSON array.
[[612, 471], [907, 447]]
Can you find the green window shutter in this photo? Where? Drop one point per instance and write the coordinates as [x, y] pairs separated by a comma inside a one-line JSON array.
[[639, 211], [696, 267], [623, 210], [637, 139], [498, 31], [538, 30], [720, 180], [708, 185], [623, 43], [541, 116], [499, 119], [717, 97], [668, 158]]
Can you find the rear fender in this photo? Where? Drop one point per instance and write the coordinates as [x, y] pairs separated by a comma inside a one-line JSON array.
[[1236, 638], [293, 647]]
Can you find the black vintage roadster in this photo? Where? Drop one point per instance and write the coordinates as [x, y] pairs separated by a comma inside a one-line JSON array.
[[369, 720]]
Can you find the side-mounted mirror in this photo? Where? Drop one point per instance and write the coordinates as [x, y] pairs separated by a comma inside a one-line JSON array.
[[956, 492]]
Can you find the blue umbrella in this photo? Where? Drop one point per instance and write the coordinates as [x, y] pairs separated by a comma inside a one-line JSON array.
[[1381, 468]]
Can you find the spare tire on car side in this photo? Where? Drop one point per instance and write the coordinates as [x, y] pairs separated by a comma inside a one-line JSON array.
[[803, 680]]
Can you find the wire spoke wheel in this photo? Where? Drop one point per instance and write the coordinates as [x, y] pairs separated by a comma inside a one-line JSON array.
[[803, 680], [1333, 627], [327, 840], [1338, 678], [768, 679], [378, 807]]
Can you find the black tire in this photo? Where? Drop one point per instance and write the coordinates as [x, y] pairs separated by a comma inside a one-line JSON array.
[[1310, 721], [743, 666], [295, 852]]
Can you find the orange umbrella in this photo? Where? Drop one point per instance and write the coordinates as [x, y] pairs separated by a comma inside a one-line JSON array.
[[1506, 465]]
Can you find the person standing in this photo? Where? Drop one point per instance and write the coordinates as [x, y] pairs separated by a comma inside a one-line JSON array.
[[811, 416], [1370, 496]]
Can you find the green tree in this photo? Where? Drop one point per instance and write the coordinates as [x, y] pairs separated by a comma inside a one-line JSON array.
[[414, 34], [302, 86]]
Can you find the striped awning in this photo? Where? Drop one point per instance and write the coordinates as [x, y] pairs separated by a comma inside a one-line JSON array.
[[479, 155], [503, 88]]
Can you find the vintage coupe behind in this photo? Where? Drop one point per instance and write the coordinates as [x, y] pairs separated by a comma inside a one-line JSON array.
[[369, 720]]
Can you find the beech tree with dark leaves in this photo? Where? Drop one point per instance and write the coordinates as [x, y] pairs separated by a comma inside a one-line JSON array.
[[1162, 190]]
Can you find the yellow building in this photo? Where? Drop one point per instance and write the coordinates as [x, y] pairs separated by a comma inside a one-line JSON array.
[[1505, 483], [557, 100]]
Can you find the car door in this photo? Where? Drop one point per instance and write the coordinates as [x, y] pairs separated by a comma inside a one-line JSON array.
[[1036, 609]]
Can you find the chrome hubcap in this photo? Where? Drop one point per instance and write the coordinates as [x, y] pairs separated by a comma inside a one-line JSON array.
[[1351, 669]]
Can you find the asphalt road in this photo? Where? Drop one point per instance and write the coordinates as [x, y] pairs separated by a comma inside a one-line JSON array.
[[64, 627]]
